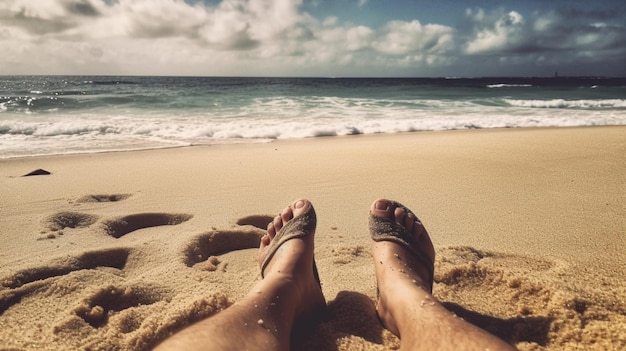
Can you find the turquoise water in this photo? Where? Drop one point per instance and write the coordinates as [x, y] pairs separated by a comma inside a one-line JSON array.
[[70, 114]]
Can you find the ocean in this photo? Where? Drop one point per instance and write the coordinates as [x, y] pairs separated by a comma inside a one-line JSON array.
[[45, 115]]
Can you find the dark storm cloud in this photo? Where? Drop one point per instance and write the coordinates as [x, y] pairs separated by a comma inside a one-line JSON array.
[[502, 33], [60, 19], [32, 24], [616, 12], [82, 7]]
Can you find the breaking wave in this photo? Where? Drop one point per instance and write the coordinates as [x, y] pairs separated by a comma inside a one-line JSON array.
[[562, 103], [56, 115]]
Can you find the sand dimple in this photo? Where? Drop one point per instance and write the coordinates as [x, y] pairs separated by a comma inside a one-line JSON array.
[[121, 226], [346, 254], [97, 308], [207, 245], [103, 198], [68, 219]]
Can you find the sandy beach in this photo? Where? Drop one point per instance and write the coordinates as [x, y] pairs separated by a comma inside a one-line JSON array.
[[116, 251]]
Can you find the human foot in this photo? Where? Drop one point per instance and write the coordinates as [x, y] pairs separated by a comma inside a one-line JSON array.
[[286, 256], [278, 307], [403, 256]]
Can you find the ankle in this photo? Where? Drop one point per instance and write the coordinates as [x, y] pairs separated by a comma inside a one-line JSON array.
[[393, 301]]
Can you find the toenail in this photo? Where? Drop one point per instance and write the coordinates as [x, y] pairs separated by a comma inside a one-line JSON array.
[[382, 205], [299, 204]]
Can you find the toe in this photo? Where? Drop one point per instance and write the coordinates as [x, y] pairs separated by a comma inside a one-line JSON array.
[[277, 224], [286, 215], [410, 223], [400, 216], [382, 208], [299, 207], [271, 231], [265, 241], [295, 209]]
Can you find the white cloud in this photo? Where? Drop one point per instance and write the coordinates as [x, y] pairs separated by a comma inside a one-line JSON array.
[[495, 33], [358, 38], [276, 37], [401, 38]]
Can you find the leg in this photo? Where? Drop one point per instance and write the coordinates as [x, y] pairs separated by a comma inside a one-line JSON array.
[[263, 320], [405, 304]]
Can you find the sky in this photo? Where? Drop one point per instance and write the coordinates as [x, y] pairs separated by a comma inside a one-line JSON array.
[[320, 38]]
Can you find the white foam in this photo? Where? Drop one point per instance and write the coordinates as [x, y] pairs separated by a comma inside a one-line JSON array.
[[282, 118], [508, 85], [562, 103]]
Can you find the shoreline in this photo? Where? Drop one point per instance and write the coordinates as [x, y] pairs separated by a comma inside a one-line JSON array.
[[239, 141], [527, 224]]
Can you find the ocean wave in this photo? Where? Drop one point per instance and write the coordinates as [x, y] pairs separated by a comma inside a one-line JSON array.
[[52, 134], [77, 102], [52, 115], [562, 103], [30, 104], [509, 85]]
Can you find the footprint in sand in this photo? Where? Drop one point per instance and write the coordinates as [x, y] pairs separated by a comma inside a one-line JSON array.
[[118, 227], [119, 306], [115, 227], [55, 223], [68, 219], [202, 251], [91, 284], [28, 281], [122, 306]]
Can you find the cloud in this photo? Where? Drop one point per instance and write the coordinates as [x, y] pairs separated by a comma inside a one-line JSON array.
[[402, 38], [557, 31], [614, 12], [82, 7], [277, 37], [495, 32], [502, 33], [358, 38], [546, 39], [40, 18]]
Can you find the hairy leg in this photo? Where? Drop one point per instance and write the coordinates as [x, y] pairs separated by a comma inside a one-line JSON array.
[[265, 317], [405, 305]]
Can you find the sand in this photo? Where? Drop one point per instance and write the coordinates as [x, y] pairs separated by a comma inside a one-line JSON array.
[[115, 251]]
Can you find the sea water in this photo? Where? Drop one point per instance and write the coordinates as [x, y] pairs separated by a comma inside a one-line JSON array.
[[42, 115]]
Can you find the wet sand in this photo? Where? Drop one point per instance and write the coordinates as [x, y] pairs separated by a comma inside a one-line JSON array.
[[115, 251]]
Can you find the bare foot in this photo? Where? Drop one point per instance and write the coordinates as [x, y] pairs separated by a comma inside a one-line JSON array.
[[397, 271], [404, 270], [293, 262], [288, 296]]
